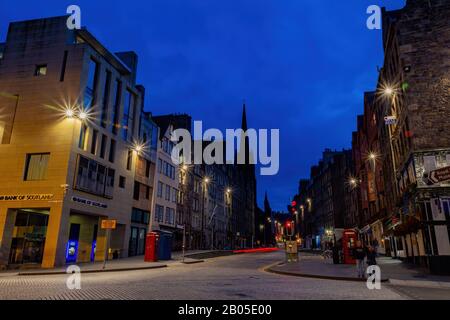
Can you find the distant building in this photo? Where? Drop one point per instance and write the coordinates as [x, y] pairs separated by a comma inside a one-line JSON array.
[[322, 201]]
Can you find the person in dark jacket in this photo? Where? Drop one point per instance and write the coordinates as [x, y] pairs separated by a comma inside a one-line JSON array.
[[371, 256], [359, 253]]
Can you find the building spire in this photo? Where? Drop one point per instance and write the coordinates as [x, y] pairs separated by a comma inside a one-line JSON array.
[[244, 118]]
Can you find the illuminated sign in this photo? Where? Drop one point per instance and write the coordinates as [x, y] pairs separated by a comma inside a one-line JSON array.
[[390, 120], [26, 197], [109, 224]]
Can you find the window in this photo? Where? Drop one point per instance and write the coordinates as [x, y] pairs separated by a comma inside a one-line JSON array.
[[129, 104], [63, 66], [170, 215], [91, 85], [160, 164], [140, 216], [83, 137], [94, 177], [112, 151], [174, 195], [36, 166], [109, 183], [117, 102], [159, 192], [105, 102], [159, 213], [129, 159], [103, 146], [94, 142], [168, 188], [122, 182], [195, 205], [136, 190], [147, 192], [40, 70], [147, 168]]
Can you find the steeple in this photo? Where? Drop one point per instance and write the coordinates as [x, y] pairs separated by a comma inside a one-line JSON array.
[[244, 118], [267, 208]]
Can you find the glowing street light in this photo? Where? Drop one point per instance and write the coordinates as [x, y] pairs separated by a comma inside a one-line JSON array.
[[206, 180], [83, 115], [228, 190], [388, 91], [69, 113]]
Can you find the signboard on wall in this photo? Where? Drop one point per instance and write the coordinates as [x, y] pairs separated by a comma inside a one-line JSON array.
[[390, 120], [88, 202], [26, 197], [439, 175]]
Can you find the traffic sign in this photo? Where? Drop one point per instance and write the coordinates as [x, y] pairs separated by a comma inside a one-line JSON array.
[[109, 224]]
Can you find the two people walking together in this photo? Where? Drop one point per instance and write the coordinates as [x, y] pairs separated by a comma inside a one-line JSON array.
[[363, 254]]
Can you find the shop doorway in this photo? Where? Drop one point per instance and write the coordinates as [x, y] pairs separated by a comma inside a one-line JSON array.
[[137, 241], [28, 239]]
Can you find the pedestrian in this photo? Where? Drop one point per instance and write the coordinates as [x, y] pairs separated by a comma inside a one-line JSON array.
[[359, 253], [371, 256], [375, 246]]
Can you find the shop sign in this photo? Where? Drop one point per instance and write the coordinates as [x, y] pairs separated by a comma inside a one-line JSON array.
[[390, 120], [88, 202], [439, 175], [109, 224], [26, 197]]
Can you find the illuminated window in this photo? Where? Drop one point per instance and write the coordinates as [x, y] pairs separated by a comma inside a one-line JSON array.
[[36, 166], [40, 70]]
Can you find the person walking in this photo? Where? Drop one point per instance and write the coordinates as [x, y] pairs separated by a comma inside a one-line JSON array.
[[371, 256], [359, 253]]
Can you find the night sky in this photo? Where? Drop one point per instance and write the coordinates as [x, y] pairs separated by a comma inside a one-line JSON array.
[[301, 65]]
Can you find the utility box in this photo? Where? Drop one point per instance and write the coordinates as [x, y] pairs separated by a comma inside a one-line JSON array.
[[151, 247], [165, 245]]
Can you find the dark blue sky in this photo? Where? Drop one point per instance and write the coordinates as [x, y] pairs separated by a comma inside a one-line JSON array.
[[301, 65]]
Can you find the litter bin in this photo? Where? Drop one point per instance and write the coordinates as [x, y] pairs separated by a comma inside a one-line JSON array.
[[165, 246], [151, 247]]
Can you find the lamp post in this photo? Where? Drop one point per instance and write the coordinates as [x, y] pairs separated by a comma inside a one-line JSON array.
[[205, 183]]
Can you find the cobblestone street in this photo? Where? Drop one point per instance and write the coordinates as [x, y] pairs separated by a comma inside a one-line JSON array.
[[232, 277]]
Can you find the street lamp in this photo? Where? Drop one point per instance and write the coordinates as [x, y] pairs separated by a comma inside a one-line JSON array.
[[83, 115], [69, 113]]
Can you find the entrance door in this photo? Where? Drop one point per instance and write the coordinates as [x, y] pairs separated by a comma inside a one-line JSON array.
[[132, 250], [28, 239], [137, 241]]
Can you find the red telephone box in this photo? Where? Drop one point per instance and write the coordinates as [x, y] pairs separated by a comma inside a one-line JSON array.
[[349, 239], [151, 247]]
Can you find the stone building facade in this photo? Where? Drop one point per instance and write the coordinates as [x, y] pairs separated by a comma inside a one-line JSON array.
[[414, 90]]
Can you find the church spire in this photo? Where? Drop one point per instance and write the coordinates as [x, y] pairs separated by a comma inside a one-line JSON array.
[[244, 118]]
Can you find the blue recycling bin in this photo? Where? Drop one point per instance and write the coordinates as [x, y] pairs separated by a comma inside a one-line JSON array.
[[165, 246]]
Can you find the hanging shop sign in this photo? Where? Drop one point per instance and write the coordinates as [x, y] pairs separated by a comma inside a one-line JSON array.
[[439, 175], [390, 120], [26, 197], [88, 202]]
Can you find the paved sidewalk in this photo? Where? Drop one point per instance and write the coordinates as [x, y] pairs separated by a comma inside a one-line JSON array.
[[126, 264], [392, 270]]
